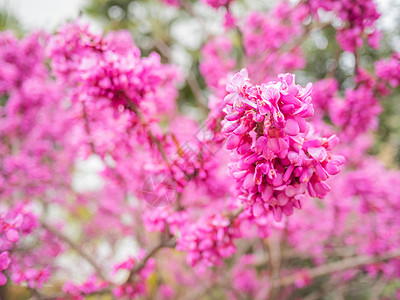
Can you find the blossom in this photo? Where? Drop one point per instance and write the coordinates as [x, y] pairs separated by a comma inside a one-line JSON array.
[[388, 70], [276, 158], [135, 287], [208, 242]]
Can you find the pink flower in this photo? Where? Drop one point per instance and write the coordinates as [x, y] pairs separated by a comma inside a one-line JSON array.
[[275, 158]]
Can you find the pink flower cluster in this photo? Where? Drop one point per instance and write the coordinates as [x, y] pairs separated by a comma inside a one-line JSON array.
[[359, 20], [160, 218], [111, 67], [356, 216], [136, 285], [14, 223], [209, 241], [357, 112], [276, 158], [265, 35], [323, 94], [389, 70], [79, 291], [216, 63]]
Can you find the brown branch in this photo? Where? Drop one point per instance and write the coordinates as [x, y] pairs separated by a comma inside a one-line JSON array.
[[196, 90], [132, 106], [171, 243], [75, 247], [87, 128], [191, 79], [342, 265]]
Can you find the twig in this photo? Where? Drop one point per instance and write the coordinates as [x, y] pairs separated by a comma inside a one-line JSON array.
[[138, 113], [171, 243], [341, 265], [75, 247], [194, 85], [87, 128], [196, 90], [186, 5]]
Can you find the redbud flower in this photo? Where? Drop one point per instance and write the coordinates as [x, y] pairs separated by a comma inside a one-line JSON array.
[[276, 157]]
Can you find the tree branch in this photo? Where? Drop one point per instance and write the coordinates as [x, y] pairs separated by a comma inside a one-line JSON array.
[[132, 106], [75, 247], [171, 243], [342, 265]]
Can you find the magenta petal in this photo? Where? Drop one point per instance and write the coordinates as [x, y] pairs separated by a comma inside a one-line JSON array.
[[240, 174], [288, 209], [238, 80], [332, 168], [233, 116], [263, 108], [258, 210], [242, 165], [302, 124], [292, 127], [260, 144], [273, 145], [288, 173], [12, 235], [233, 141], [248, 182], [323, 175], [270, 94], [277, 211], [319, 154], [290, 191], [230, 126], [251, 158], [283, 144], [332, 141], [290, 99], [267, 192], [258, 175], [297, 204], [243, 148], [242, 129], [282, 199], [230, 98]]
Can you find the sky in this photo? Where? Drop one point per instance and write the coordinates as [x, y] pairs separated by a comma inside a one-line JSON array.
[[43, 14], [47, 14]]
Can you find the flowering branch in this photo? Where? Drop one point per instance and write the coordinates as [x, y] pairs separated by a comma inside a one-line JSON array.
[[342, 265], [171, 243]]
